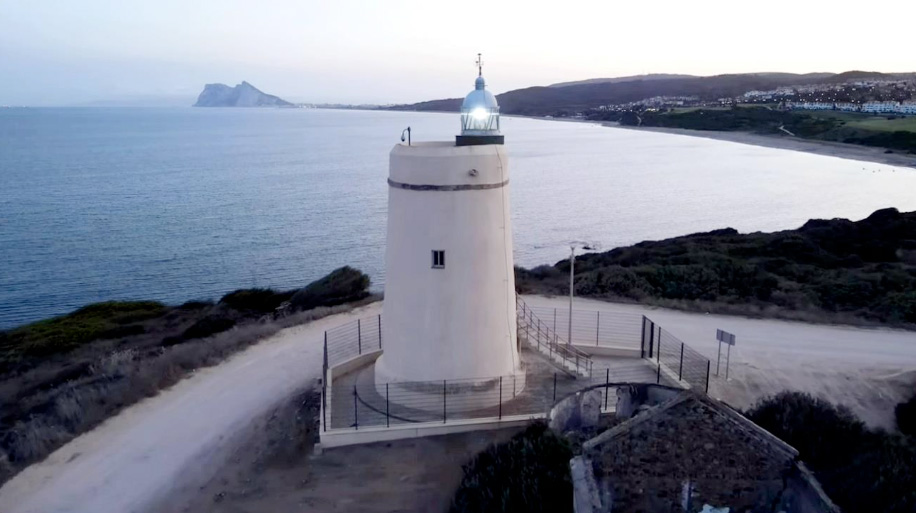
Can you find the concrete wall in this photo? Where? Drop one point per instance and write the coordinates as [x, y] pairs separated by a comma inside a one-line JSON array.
[[458, 322]]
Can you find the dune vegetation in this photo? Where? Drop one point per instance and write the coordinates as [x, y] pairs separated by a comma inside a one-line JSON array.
[[828, 270], [61, 377]]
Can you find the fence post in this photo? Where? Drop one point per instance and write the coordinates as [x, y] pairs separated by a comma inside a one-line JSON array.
[[707, 376], [680, 370], [443, 401], [379, 331], [513, 386], [597, 328], [554, 387], [355, 410], [359, 335], [500, 397], [554, 319], [651, 339], [387, 414], [607, 381], [324, 385]]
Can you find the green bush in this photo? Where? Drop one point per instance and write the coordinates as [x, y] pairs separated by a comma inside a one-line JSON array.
[[905, 413], [342, 285], [825, 435], [861, 470], [209, 325], [255, 301], [528, 473]]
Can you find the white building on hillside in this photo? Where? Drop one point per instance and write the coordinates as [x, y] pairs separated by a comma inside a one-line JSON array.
[[880, 107]]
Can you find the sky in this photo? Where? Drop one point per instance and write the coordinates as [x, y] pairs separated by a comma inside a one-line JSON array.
[[67, 52]]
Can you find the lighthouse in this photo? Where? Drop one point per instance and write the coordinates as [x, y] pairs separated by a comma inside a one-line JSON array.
[[450, 310]]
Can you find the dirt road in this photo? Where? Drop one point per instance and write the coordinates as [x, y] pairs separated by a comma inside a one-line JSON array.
[[132, 459], [869, 370]]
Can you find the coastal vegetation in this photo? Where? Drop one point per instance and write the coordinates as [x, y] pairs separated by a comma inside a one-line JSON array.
[[528, 473], [862, 470], [894, 133], [63, 376], [828, 270]]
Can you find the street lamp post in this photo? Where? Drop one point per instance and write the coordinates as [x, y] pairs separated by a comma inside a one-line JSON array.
[[572, 267]]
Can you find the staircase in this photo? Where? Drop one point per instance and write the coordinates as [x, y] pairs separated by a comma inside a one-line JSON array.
[[540, 337]]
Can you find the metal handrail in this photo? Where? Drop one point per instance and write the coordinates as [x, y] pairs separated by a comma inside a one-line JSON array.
[[544, 336]]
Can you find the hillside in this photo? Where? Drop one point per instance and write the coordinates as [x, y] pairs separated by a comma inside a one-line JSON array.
[[242, 95], [577, 96], [828, 270]]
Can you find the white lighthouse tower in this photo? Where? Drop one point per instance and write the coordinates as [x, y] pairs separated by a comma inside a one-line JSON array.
[[449, 310]]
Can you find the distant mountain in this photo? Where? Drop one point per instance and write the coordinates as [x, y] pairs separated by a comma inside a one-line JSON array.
[[579, 96], [242, 95], [650, 76]]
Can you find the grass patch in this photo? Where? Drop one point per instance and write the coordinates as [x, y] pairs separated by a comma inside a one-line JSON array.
[[110, 319]]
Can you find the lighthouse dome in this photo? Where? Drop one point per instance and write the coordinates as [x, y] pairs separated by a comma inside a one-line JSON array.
[[480, 111]]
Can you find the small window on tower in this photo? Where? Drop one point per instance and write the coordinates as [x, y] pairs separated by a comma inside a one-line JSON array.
[[438, 258]]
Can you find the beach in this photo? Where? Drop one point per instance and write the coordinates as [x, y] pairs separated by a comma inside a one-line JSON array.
[[826, 148]]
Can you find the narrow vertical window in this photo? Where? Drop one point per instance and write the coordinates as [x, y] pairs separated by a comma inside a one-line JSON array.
[[438, 258]]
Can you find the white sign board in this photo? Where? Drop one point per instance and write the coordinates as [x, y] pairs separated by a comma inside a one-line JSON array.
[[724, 336]]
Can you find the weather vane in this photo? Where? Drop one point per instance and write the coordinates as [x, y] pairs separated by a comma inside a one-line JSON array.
[[479, 65]]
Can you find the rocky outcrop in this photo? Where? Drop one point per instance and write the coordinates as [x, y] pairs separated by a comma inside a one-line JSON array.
[[242, 95]]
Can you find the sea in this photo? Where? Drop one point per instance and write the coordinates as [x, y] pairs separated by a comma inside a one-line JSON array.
[[176, 204]]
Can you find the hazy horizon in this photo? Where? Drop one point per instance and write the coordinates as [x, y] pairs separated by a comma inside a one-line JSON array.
[[402, 51]]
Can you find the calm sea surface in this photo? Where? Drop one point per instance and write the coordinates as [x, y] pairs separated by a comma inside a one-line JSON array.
[[179, 204]]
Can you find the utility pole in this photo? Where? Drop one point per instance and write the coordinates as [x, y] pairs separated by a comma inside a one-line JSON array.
[[572, 266], [572, 283]]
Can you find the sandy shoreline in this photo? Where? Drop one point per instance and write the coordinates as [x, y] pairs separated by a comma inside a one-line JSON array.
[[828, 148]]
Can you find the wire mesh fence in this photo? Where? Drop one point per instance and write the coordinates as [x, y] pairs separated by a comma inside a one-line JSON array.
[[370, 404], [666, 360], [593, 328], [539, 335], [355, 338], [679, 362]]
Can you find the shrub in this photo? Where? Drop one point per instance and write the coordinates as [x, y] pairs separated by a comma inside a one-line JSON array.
[[207, 326], [343, 285], [905, 413], [528, 473], [255, 301], [861, 470], [825, 435]]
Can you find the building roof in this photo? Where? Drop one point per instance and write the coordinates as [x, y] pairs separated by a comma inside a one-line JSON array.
[[693, 450]]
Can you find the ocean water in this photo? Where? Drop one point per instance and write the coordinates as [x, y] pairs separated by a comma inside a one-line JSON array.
[[180, 204]]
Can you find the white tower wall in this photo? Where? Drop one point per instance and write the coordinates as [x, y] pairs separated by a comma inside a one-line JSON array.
[[457, 322]]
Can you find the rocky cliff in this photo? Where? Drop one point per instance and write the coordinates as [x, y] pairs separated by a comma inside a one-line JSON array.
[[242, 95]]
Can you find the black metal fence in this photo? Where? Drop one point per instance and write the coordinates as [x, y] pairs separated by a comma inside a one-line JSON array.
[[349, 403], [367, 404], [676, 361], [593, 328]]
